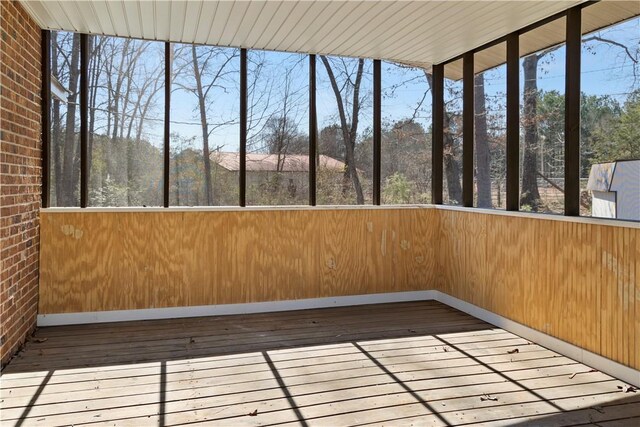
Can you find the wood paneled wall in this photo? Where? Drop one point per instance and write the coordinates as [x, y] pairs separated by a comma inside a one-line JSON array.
[[575, 281], [96, 261]]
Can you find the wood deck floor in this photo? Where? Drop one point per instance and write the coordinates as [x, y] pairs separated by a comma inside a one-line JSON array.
[[394, 364]]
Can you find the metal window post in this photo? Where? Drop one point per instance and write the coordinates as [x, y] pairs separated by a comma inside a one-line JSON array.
[[572, 113], [167, 121], [313, 130], [437, 137], [377, 129], [468, 118], [513, 122], [84, 120], [243, 128]]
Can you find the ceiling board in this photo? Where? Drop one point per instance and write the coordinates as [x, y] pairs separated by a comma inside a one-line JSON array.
[[418, 33]]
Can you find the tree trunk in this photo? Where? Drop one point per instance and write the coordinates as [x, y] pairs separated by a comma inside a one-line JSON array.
[[348, 132], [94, 70], [107, 142], [116, 91], [451, 165], [483, 156], [56, 132], [530, 195], [69, 182], [205, 129]]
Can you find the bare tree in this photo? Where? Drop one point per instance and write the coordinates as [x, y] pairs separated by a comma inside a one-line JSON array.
[[66, 197], [482, 153], [56, 121], [452, 171], [260, 88], [530, 194], [281, 134], [351, 86], [96, 65], [210, 68]]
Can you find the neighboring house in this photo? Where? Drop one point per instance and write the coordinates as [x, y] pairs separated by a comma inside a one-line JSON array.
[[286, 175], [615, 189]]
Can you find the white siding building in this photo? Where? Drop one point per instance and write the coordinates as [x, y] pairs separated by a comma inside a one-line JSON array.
[[615, 190]]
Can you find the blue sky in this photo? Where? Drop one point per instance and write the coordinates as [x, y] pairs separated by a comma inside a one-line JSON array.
[[605, 71]]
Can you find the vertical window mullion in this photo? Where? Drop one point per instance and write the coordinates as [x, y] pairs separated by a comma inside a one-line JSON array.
[[313, 131], [377, 129], [572, 113], [243, 128], [513, 122], [468, 117], [437, 137], [84, 120], [167, 120]]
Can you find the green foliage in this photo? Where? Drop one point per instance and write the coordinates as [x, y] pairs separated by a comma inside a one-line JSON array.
[[109, 194], [551, 132], [621, 140], [406, 156], [598, 116], [187, 177], [397, 189], [125, 173]]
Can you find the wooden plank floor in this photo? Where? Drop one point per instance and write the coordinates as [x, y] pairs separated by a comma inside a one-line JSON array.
[[419, 363]]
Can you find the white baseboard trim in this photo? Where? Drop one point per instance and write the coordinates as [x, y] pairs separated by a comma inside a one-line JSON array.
[[608, 366], [593, 360], [60, 319]]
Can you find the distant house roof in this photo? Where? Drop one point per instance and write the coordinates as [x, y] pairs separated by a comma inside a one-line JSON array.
[[269, 162]]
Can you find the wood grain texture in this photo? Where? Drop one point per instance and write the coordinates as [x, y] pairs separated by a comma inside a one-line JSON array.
[[574, 281], [97, 261], [416, 363]]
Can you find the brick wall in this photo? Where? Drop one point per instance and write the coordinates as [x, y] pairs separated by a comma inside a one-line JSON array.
[[20, 175]]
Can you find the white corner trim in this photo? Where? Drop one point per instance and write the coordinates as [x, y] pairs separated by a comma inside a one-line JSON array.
[[60, 319], [608, 366]]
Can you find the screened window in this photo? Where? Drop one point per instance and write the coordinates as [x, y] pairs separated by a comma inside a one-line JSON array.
[[126, 122], [610, 121], [452, 144], [205, 117], [345, 135], [126, 140], [278, 124], [490, 122], [542, 83], [406, 134], [65, 119]]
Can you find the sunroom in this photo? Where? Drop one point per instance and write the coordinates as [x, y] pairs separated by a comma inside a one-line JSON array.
[[329, 213]]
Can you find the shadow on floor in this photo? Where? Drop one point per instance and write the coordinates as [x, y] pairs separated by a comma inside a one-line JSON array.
[[108, 344]]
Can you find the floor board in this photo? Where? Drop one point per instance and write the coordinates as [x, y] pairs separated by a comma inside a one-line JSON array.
[[418, 363]]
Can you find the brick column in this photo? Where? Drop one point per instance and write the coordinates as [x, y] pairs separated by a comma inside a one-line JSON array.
[[20, 175]]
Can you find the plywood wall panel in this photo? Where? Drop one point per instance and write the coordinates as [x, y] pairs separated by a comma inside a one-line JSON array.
[[417, 250], [573, 280], [576, 281], [636, 301], [96, 261]]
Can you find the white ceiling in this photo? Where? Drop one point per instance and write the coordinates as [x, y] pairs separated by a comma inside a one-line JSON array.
[[419, 33]]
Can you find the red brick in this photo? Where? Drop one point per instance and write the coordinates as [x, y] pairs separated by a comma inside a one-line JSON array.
[[20, 176]]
